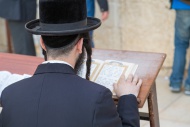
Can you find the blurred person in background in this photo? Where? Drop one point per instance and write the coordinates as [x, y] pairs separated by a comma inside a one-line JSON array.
[[17, 13], [91, 12], [181, 43]]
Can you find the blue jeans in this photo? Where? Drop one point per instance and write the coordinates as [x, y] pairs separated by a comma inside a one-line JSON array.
[[91, 39], [90, 8], [91, 13], [181, 41]]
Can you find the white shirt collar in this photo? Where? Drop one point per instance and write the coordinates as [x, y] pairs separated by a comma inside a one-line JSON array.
[[56, 61]]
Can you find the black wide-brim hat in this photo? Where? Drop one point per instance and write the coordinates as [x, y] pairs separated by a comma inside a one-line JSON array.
[[62, 17]]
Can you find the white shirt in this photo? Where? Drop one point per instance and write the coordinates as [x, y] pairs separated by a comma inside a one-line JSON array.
[[56, 61]]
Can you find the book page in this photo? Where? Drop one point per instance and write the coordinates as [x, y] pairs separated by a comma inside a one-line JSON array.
[[95, 67], [4, 75], [111, 72], [108, 72]]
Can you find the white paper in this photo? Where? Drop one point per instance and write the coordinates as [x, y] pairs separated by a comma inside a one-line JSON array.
[[111, 73], [6, 79], [82, 72]]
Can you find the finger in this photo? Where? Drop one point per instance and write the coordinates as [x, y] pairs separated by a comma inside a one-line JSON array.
[[130, 78], [115, 86], [135, 80], [138, 100], [122, 79], [139, 83]]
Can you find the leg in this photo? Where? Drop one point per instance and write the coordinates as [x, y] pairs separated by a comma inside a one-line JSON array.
[[187, 83], [92, 40], [91, 13], [9, 48], [90, 8], [182, 36], [153, 107], [22, 40]]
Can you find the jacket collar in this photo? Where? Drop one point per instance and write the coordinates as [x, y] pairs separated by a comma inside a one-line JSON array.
[[54, 68]]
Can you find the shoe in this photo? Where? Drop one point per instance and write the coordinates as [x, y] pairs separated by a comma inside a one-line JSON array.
[[176, 88], [187, 90]]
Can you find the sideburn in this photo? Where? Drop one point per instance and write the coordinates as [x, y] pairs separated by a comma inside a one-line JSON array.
[[86, 51], [44, 54]]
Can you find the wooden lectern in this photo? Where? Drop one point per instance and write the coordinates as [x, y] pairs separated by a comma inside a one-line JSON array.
[[148, 69]]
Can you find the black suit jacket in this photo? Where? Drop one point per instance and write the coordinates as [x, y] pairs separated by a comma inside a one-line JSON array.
[[56, 97], [19, 10]]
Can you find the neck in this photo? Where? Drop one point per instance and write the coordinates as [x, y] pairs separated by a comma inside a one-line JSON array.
[[67, 59]]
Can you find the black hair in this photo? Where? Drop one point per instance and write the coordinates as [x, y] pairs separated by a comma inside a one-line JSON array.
[[88, 48], [62, 45]]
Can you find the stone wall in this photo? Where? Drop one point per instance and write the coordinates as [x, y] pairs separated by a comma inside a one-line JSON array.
[[137, 25]]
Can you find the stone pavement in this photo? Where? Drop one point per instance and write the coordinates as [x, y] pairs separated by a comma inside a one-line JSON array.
[[174, 108]]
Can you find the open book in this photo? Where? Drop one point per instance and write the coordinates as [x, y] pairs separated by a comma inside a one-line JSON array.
[[7, 78], [108, 72]]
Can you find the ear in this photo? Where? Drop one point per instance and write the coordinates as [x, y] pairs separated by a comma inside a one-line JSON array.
[[42, 44], [79, 45]]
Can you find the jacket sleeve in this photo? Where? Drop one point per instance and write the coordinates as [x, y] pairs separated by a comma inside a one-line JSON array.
[[106, 114], [103, 5], [128, 111], [1, 121]]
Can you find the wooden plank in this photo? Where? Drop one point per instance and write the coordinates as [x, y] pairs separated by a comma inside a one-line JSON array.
[[20, 64], [148, 69], [153, 107], [149, 65], [144, 116]]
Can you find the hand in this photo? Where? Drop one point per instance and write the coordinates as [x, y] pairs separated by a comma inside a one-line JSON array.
[[105, 15], [130, 86]]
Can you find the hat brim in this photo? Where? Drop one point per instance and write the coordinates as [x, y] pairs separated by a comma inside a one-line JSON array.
[[35, 28]]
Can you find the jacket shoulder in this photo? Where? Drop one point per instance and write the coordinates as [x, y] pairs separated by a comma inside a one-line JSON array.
[[92, 85]]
